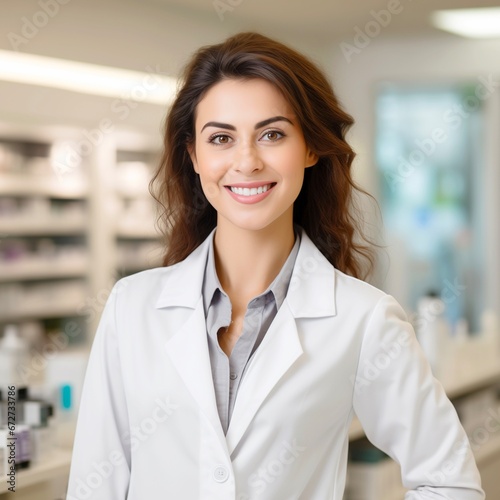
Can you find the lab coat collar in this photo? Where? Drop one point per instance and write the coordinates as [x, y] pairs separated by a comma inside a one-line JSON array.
[[311, 292], [185, 279]]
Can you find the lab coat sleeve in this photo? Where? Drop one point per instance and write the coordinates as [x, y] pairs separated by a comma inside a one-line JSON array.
[[406, 413], [100, 466]]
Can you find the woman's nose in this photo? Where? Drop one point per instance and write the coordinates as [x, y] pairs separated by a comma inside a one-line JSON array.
[[247, 159]]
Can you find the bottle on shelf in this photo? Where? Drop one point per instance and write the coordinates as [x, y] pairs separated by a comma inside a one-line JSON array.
[[433, 331], [14, 357]]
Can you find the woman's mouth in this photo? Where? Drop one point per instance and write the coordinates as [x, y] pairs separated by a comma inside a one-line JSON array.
[[251, 191], [250, 194]]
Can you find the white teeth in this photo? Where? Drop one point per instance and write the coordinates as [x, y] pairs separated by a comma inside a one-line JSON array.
[[250, 191]]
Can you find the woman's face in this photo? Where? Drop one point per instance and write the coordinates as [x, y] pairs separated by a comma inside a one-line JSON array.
[[248, 139]]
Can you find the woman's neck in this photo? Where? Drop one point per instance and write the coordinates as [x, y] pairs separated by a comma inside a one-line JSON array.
[[247, 261]]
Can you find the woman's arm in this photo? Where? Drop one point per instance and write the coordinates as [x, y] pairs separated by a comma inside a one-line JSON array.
[[100, 466], [406, 413]]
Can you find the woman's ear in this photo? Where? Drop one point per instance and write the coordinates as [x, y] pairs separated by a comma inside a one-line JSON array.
[[192, 154], [312, 158]]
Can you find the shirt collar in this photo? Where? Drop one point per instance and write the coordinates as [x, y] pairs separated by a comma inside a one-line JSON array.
[[278, 287]]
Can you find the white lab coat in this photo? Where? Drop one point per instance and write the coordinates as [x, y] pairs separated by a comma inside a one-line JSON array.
[[148, 426]]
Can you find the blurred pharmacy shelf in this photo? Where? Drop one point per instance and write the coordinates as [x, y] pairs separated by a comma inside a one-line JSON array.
[[20, 185], [43, 226], [137, 240], [136, 230], [488, 451], [42, 299], [37, 268], [68, 232], [467, 382], [72, 221]]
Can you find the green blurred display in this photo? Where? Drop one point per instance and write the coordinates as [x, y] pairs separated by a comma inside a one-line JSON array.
[[428, 153]]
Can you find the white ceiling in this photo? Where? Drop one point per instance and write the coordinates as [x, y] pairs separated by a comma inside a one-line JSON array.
[[322, 20]]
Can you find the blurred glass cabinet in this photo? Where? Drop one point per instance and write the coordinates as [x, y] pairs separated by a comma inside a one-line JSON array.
[[428, 146]]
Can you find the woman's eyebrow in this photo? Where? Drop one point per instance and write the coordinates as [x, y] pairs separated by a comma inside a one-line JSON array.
[[263, 123]]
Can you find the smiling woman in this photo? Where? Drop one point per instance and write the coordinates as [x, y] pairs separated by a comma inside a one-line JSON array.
[[250, 62], [240, 153], [256, 331]]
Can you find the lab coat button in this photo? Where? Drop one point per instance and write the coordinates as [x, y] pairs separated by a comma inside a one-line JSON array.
[[221, 474]]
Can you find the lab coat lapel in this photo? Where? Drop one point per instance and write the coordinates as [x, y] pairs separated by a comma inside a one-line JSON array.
[[310, 294], [279, 349], [188, 352], [187, 348]]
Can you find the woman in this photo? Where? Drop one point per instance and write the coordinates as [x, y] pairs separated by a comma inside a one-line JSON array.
[[233, 372]]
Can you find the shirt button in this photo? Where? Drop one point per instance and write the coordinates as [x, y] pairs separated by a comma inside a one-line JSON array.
[[221, 474], [233, 376]]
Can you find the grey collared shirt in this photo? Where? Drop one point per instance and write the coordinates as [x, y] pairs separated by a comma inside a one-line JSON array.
[[228, 372]]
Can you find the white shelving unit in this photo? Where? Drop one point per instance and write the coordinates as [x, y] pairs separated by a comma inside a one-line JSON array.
[[104, 202], [18, 184], [137, 238], [44, 226], [38, 268]]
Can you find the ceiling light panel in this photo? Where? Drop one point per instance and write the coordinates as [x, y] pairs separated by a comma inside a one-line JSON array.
[[150, 86], [470, 23]]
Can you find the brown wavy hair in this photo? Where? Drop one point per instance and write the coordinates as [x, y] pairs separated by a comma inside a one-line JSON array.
[[325, 206]]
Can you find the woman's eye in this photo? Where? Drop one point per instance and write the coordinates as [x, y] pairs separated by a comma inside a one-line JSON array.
[[219, 139], [273, 135]]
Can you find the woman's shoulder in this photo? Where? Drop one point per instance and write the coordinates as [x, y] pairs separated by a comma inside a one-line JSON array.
[[347, 281], [148, 277], [361, 293], [350, 293], [143, 285], [178, 284], [355, 296]]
